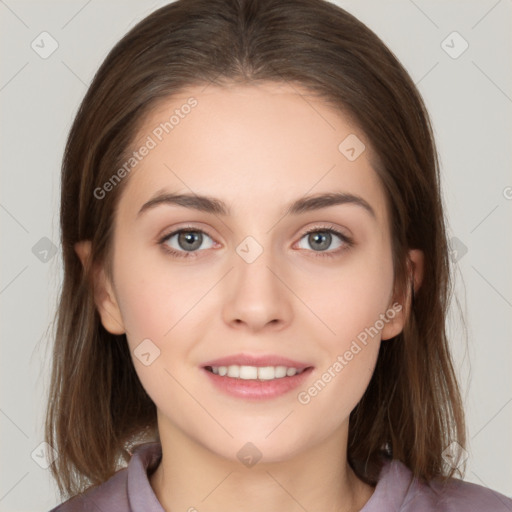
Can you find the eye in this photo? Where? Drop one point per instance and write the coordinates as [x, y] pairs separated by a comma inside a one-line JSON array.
[[185, 242], [321, 238]]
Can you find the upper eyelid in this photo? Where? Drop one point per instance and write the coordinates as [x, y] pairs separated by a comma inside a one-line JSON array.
[[173, 232]]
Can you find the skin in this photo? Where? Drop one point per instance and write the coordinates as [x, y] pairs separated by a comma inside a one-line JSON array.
[[272, 143]]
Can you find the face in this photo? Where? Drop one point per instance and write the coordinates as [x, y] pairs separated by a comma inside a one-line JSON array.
[[257, 287]]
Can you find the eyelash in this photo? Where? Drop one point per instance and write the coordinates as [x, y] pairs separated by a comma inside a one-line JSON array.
[[348, 242]]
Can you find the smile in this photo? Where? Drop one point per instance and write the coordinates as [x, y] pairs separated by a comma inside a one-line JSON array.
[[254, 372]]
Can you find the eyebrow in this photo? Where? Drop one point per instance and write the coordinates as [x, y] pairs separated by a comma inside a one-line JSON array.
[[218, 207]]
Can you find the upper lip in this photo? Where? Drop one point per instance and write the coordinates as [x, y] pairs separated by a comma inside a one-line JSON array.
[[257, 360]]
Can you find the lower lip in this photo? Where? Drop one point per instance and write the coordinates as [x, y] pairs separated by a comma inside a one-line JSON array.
[[257, 389]]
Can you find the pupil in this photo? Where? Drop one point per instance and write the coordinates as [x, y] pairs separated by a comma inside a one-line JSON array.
[[318, 237], [189, 237]]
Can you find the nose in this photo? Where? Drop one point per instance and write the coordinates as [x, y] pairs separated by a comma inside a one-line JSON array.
[[256, 295]]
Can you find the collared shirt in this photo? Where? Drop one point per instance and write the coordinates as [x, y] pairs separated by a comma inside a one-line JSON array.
[[129, 490]]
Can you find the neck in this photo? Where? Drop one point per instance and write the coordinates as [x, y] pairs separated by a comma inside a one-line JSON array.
[[191, 477]]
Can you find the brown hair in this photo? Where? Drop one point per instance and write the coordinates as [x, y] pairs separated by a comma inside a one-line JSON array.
[[412, 406]]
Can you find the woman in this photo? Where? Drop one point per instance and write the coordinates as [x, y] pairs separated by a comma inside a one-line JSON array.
[[256, 274]]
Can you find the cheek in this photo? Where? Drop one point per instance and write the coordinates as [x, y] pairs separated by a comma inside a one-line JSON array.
[[352, 298], [352, 306], [351, 303], [336, 389], [157, 306], [155, 297]]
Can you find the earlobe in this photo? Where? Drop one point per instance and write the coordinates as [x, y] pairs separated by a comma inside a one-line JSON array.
[[104, 296], [402, 305]]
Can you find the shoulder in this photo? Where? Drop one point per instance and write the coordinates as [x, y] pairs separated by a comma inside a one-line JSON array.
[[397, 489], [111, 495], [457, 495], [124, 489]]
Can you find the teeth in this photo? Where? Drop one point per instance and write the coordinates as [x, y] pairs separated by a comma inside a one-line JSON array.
[[247, 372], [255, 372], [234, 371], [269, 372]]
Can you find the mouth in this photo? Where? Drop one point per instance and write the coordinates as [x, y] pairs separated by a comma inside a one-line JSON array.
[[256, 377], [262, 373]]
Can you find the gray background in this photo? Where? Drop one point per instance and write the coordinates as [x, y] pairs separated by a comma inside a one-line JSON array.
[[469, 99]]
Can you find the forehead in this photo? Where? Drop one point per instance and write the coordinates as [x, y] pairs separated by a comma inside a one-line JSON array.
[[256, 146]]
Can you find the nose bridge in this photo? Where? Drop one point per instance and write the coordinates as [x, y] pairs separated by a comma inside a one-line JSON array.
[[253, 264], [256, 296]]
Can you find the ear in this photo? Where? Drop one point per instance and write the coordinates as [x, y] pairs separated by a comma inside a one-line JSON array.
[[402, 304], [104, 296]]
